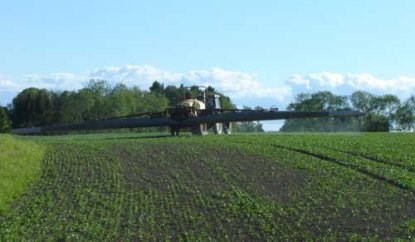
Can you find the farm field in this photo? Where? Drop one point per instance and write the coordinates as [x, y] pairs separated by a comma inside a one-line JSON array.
[[130, 187]]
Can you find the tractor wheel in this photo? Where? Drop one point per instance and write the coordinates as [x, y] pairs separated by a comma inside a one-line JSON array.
[[227, 128], [218, 128], [200, 129]]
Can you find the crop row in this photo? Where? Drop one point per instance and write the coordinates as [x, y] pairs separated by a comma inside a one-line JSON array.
[[354, 190], [271, 187], [72, 199], [395, 171]]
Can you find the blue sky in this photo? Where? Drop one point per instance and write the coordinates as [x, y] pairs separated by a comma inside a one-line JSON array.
[[277, 48]]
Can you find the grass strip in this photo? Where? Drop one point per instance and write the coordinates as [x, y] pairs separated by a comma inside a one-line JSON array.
[[20, 163]]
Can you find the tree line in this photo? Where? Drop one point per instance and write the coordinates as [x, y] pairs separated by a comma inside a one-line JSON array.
[[381, 112], [99, 100]]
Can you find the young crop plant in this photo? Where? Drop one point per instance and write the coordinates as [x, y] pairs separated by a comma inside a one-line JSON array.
[[127, 187]]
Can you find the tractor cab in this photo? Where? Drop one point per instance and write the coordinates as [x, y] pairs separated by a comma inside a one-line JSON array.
[[201, 106], [213, 102]]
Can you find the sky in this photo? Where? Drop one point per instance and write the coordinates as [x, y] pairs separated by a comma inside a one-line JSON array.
[[258, 52]]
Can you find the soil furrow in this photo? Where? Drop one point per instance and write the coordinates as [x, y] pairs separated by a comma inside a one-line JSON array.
[[375, 159], [350, 166]]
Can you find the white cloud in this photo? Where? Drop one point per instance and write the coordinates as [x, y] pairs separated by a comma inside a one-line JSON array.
[[243, 87], [348, 83], [236, 84], [8, 90], [233, 83], [54, 81], [7, 85], [134, 75]]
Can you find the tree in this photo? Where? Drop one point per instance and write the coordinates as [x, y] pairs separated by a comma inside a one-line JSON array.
[[375, 123], [121, 101], [249, 126], [173, 94], [32, 107], [210, 89], [97, 100], [157, 87], [405, 115], [226, 102], [70, 108], [4, 121], [154, 102], [319, 101], [97, 92], [389, 106], [362, 101], [380, 110]]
